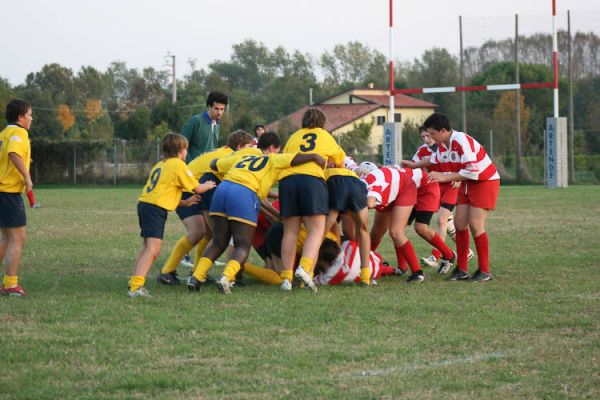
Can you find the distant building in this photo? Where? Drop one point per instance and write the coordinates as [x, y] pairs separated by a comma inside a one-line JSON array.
[[354, 106]]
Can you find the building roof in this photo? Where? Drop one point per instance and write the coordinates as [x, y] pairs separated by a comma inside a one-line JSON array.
[[337, 115], [400, 101]]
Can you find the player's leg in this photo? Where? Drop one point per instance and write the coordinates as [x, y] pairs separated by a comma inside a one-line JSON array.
[[11, 250], [380, 226], [403, 246], [361, 228], [216, 247], [242, 234], [461, 221], [477, 217], [422, 228], [148, 253], [315, 231]]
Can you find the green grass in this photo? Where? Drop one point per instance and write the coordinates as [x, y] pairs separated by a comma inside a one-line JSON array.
[[531, 333]]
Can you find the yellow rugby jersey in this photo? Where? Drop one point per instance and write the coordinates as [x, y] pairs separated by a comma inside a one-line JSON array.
[[227, 162], [259, 173], [167, 180], [315, 140], [329, 172], [201, 164], [13, 139]]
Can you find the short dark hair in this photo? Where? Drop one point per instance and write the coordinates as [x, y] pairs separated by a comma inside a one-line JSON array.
[[328, 251], [438, 122], [268, 139], [258, 126], [15, 109], [313, 118], [216, 97], [422, 129], [238, 138], [172, 144]]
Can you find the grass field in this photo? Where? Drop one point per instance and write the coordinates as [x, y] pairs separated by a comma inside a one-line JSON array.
[[533, 332]]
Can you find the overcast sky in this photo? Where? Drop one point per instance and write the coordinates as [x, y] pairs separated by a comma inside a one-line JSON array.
[[74, 33]]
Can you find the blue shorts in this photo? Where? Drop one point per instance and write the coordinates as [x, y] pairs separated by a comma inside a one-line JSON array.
[[152, 220], [303, 195], [183, 212], [235, 202], [207, 196], [346, 193], [12, 210]]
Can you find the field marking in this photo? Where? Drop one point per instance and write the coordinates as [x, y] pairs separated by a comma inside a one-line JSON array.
[[443, 363]]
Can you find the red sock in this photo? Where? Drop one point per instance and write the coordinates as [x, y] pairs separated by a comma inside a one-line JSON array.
[[31, 198], [400, 258], [462, 248], [437, 242], [436, 253], [409, 255], [483, 252], [386, 270]]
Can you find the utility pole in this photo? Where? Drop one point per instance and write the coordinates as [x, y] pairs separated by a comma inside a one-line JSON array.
[[518, 174], [172, 64]]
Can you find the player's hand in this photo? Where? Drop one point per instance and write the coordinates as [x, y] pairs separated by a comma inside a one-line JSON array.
[[320, 161], [206, 186], [455, 184], [28, 185], [190, 201], [435, 176], [408, 163]]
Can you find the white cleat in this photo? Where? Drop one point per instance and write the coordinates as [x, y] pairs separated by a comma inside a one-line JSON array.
[[286, 285], [470, 255], [430, 261], [305, 277], [141, 292], [224, 285], [186, 262]]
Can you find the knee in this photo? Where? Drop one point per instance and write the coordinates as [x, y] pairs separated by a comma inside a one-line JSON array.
[[398, 235]]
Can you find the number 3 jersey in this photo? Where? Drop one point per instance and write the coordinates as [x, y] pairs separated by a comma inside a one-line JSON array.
[[314, 140], [346, 266], [168, 179]]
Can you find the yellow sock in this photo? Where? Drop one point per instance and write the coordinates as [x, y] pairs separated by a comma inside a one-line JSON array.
[[10, 281], [204, 264], [199, 250], [307, 264], [265, 275], [365, 275], [182, 247], [231, 270], [289, 275], [136, 282]]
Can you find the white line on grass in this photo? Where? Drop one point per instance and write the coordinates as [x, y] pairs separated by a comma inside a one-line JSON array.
[[442, 363]]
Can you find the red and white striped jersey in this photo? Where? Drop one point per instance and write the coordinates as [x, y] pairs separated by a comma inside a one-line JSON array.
[[467, 157], [424, 151], [346, 267], [383, 184], [254, 142], [419, 176]]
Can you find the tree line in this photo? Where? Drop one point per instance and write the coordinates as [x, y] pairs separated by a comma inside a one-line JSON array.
[[266, 84]]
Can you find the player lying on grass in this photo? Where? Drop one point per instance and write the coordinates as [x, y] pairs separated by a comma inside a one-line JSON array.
[[236, 202], [161, 194], [198, 232]]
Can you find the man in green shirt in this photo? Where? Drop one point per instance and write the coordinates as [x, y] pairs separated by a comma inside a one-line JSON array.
[[202, 130]]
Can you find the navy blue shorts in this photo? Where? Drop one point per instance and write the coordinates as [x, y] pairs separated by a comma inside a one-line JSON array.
[[183, 212], [152, 220], [12, 210], [207, 196], [235, 202], [303, 195], [273, 239], [346, 193]]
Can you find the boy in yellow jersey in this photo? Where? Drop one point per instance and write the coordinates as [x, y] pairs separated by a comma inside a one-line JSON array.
[[236, 202], [162, 193], [15, 157], [303, 195], [348, 194], [197, 230]]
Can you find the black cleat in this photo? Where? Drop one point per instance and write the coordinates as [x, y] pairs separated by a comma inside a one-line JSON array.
[[458, 275], [480, 276], [170, 279], [194, 284], [416, 277]]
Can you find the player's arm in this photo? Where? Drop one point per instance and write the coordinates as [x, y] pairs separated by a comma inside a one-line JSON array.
[[303, 158], [442, 177], [269, 211], [424, 163], [19, 163], [204, 187]]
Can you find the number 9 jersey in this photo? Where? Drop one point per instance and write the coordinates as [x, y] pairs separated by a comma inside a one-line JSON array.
[[312, 140], [167, 180]]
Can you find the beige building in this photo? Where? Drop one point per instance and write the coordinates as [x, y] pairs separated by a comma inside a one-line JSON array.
[[346, 109]]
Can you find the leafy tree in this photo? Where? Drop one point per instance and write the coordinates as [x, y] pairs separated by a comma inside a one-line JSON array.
[[354, 63], [5, 96], [357, 140], [134, 126], [505, 123], [65, 117]]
